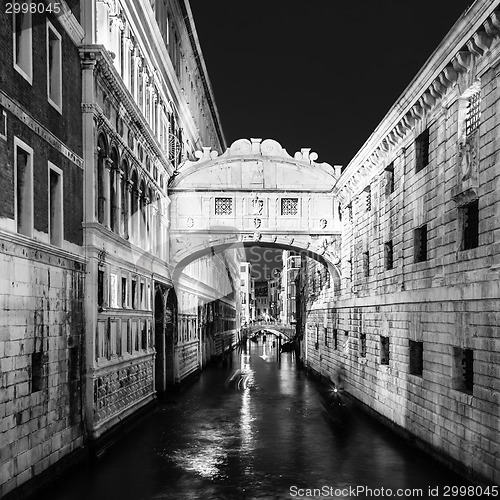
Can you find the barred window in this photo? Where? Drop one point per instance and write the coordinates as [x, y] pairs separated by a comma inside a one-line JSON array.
[[289, 206], [223, 206], [473, 116], [368, 194]]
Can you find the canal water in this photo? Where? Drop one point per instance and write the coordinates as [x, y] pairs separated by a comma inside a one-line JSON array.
[[254, 430]]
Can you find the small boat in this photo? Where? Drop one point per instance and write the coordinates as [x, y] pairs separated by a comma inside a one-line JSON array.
[[288, 347]]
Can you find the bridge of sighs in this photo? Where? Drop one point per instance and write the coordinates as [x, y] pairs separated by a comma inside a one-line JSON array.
[[255, 194]]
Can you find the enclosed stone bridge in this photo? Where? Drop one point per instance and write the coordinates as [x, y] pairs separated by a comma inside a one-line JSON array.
[[255, 194]]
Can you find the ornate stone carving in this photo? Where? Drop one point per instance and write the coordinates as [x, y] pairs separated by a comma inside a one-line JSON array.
[[256, 206], [119, 389], [468, 157]]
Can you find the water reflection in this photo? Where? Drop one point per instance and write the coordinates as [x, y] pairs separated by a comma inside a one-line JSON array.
[[250, 432]]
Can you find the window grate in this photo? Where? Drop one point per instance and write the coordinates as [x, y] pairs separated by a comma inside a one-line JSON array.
[[473, 117], [368, 193], [223, 206], [289, 206]]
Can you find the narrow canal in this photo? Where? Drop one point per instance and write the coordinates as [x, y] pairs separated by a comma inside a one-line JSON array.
[[262, 434]]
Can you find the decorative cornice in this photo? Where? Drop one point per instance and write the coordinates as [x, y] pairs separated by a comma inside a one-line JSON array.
[[476, 30], [70, 24], [22, 115], [104, 65]]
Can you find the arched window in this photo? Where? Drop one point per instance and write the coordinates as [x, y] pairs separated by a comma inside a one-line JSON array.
[[113, 189], [124, 199], [134, 208], [102, 154], [142, 213]]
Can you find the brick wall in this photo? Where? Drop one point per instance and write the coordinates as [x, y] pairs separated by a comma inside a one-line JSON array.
[[66, 126], [448, 302], [41, 298]]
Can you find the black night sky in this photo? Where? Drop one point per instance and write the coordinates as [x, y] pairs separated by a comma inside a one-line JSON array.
[[319, 74]]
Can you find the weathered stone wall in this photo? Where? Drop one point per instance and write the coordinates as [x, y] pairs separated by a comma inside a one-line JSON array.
[[445, 302], [41, 297]]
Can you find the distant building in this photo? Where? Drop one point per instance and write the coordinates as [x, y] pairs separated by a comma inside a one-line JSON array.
[[261, 301], [246, 292], [274, 290], [291, 267]]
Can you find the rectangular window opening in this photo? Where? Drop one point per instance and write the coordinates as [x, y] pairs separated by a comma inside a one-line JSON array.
[[469, 216], [124, 291], [463, 370], [100, 288], [384, 350], [23, 57], [420, 243], [422, 150], [388, 255], [3, 124], [134, 293], [368, 194], [416, 358], [55, 206], [473, 114], [23, 178], [36, 371], [389, 179], [362, 345], [54, 67], [366, 264]]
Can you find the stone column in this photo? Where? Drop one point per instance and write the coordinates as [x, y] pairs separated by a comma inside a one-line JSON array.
[[118, 199], [147, 224], [154, 229], [108, 166], [138, 216], [128, 218]]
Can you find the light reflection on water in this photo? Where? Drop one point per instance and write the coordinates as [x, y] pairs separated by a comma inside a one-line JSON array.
[[248, 432]]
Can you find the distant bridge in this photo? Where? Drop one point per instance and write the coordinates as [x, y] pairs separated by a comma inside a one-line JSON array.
[[285, 329]]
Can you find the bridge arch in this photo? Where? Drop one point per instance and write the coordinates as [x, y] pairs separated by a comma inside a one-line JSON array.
[[255, 194]]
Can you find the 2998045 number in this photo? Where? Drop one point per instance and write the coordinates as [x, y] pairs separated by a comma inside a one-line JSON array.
[[32, 8], [470, 491]]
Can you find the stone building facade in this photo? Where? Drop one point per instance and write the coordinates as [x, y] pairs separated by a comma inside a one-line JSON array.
[[413, 332], [42, 266], [100, 102], [146, 107]]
